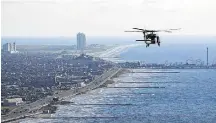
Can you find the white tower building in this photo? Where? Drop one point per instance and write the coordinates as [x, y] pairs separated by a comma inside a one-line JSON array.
[[81, 42], [14, 47], [7, 47]]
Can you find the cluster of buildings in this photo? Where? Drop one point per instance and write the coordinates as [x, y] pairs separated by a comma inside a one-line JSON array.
[[29, 76], [9, 47]]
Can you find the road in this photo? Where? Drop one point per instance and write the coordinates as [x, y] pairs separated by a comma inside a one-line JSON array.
[[66, 95], [32, 108]]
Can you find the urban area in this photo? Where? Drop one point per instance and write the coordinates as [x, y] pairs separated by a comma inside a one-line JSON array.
[[29, 76]]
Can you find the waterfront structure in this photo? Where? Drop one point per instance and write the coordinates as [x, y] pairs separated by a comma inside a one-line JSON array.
[[81, 42]]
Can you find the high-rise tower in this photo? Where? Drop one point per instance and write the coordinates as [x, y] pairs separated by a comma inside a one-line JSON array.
[[81, 42], [7, 47], [207, 56], [14, 47]]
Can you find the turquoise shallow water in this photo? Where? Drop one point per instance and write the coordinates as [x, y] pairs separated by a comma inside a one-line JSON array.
[[185, 97]]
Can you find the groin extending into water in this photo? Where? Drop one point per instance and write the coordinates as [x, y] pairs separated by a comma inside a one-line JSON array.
[[100, 81], [66, 94]]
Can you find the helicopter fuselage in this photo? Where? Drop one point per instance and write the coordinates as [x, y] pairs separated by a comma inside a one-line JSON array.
[[151, 38]]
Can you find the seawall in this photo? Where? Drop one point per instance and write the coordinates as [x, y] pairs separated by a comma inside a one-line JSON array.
[[98, 82], [68, 94]]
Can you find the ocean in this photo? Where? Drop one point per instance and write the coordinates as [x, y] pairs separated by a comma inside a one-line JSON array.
[[185, 97], [171, 53]]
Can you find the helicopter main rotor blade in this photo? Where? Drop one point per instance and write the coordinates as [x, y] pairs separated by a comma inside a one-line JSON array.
[[162, 31], [167, 31], [175, 29], [133, 31], [152, 30], [146, 31], [138, 29]]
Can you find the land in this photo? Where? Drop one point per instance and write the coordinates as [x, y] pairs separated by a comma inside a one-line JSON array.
[[39, 107], [39, 77], [65, 49]]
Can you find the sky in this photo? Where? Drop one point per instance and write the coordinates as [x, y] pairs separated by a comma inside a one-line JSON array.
[[42, 18]]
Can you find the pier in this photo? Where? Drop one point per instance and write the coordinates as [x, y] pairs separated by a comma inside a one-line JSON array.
[[137, 87], [153, 72], [148, 82], [95, 104]]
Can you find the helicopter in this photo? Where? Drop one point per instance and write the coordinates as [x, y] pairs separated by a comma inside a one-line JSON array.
[[150, 36]]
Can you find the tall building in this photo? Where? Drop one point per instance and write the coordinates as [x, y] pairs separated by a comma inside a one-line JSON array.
[[7, 47], [14, 47], [10, 47], [81, 42]]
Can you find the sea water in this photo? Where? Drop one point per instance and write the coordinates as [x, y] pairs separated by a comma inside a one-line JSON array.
[[185, 97]]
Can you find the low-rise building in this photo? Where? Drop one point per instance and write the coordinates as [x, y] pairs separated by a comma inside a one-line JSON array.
[[12, 102]]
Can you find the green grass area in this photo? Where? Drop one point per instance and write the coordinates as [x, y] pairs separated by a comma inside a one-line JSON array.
[[7, 107]]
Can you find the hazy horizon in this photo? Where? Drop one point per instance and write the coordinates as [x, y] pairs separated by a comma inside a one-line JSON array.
[[186, 39]]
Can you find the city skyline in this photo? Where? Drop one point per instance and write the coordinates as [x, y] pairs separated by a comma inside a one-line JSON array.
[[105, 18]]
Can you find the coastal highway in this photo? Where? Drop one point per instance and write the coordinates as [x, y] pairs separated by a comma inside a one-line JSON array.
[[30, 109], [100, 80], [27, 109]]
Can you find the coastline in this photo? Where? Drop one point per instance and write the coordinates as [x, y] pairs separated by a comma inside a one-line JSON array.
[[113, 52], [102, 81], [99, 82]]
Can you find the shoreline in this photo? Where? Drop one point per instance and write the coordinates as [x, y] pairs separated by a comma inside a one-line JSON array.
[[95, 84], [114, 51], [104, 79], [105, 84]]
